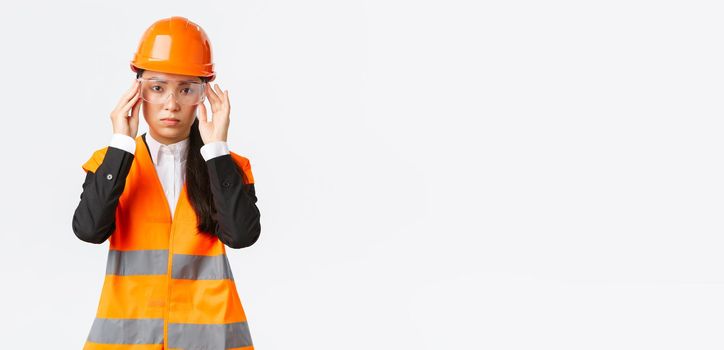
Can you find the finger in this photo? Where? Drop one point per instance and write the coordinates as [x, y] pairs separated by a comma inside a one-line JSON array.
[[128, 95], [225, 101], [213, 98], [136, 109], [218, 90], [211, 92], [202, 113], [134, 119], [226, 93], [124, 110], [132, 90]]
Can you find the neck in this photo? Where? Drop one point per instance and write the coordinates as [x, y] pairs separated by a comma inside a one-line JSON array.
[[167, 140]]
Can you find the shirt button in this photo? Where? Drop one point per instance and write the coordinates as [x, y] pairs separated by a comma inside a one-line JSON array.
[[226, 183], [109, 176]]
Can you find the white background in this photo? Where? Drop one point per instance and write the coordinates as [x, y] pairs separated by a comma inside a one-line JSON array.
[[431, 175]]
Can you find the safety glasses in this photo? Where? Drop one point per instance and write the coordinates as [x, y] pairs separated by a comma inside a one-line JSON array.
[[158, 91]]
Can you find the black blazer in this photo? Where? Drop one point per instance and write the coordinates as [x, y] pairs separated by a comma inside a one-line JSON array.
[[238, 224]]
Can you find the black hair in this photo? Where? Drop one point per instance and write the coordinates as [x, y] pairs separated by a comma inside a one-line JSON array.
[[198, 187]]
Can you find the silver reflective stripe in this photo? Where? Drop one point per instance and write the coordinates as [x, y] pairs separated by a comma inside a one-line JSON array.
[[208, 336], [137, 262], [201, 267], [127, 331]]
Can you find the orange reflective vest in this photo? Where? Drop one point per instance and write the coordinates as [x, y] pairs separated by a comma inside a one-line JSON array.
[[167, 286]]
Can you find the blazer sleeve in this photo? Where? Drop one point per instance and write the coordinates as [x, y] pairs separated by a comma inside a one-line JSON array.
[[232, 186], [106, 173]]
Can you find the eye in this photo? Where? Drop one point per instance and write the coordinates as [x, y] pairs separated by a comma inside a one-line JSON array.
[[186, 90], [153, 87]]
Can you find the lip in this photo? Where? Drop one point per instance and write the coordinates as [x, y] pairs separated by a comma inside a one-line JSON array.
[[170, 121]]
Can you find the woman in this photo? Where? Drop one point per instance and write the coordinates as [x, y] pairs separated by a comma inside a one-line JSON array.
[[170, 200]]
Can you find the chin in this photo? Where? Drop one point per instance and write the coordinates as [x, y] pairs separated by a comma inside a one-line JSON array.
[[172, 132], [169, 131]]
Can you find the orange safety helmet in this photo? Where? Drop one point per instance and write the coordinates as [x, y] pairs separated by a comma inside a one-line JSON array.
[[175, 45]]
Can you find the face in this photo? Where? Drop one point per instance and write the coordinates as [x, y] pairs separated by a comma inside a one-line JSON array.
[[169, 131]]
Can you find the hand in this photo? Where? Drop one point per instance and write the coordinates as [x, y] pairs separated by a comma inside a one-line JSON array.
[[218, 128], [131, 100]]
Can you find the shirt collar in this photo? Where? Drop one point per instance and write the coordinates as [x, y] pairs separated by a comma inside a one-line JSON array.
[[179, 148]]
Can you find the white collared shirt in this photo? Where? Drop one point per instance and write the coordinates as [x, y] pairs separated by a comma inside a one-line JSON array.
[[170, 160]]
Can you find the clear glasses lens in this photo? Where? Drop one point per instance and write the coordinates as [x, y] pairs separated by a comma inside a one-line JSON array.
[[159, 91]]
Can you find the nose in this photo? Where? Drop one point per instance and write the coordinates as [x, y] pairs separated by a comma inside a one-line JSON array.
[[171, 103]]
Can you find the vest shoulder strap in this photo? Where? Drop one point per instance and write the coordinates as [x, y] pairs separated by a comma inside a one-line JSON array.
[[98, 155], [95, 160], [245, 166]]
